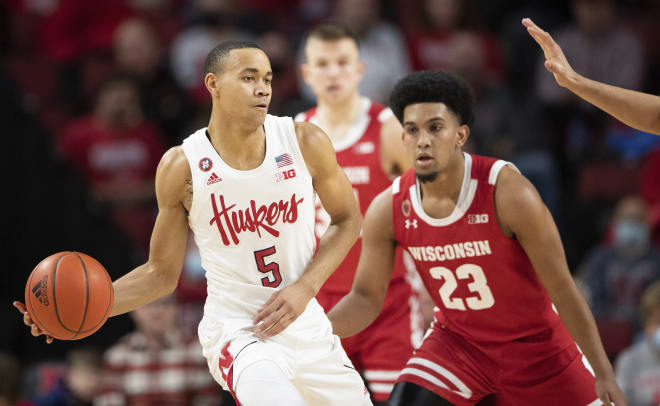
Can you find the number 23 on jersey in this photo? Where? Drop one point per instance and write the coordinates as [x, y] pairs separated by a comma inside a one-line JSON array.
[[476, 281]]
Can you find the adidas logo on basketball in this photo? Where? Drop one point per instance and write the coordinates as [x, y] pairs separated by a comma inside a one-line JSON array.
[[213, 179], [40, 291]]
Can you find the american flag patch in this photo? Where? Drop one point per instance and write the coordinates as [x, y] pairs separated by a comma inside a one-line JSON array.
[[283, 160]]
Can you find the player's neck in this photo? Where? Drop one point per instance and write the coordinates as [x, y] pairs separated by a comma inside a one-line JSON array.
[[240, 145], [448, 183], [341, 113]]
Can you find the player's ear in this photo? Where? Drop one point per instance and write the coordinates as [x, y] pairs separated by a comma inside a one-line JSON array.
[[211, 81], [362, 67], [463, 133], [304, 71]]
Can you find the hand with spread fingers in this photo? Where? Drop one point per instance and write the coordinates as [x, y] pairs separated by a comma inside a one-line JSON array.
[[35, 330], [555, 61], [282, 309]]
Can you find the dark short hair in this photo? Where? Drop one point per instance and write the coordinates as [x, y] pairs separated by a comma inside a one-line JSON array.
[[214, 59], [434, 87], [332, 31]]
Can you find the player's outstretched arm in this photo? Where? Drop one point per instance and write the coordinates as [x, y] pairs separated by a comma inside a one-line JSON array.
[[336, 194], [160, 274], [522, 214], [362, 304], [636, 109]]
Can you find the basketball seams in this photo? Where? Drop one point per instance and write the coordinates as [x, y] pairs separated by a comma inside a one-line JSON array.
[[107, 310], [84, 317], [59, 266], [57, 313]]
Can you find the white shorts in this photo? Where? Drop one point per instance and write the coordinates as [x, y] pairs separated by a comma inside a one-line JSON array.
[[307, 353]]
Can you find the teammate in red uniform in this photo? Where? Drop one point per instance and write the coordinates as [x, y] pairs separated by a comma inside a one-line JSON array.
[[490, 255], [367, 140]]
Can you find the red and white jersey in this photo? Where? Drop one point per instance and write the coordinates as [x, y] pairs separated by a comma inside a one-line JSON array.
[[254, 228], [359, 155], [481, 280]]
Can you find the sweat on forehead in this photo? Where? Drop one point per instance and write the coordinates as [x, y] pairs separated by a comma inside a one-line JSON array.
[[216, 57], [434, 87]]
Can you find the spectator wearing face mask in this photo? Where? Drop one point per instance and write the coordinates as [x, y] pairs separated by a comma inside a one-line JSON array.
[[638, 367], [616, 274]]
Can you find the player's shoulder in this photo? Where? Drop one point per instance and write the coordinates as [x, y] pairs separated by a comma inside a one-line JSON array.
[[173, 171], [174, 161]]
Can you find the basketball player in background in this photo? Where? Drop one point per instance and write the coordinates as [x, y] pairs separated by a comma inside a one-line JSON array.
[[245, 186], [490, 255], [367, 140], [636, 109]]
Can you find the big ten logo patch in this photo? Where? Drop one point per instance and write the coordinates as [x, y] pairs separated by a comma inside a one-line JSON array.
[[477, 218], [284, 175]]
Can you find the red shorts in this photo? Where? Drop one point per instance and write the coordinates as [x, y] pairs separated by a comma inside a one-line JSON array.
[[381, 350], [463, 373]]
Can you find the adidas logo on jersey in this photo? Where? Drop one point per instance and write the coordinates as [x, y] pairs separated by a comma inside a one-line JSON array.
[[477, 218], [213, 179]]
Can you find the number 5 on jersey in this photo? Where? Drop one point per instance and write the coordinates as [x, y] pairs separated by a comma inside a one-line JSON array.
[[479, 285], [274, 279]]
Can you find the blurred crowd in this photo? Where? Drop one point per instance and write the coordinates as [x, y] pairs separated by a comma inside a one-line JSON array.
[[93, 92]]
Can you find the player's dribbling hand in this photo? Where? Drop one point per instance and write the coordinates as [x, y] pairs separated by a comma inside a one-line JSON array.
[[609, 392], [281, 309], [36, 331], [555, 61]]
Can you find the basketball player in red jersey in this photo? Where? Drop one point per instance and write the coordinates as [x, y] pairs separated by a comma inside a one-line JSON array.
[[490, 255], [367, 140]]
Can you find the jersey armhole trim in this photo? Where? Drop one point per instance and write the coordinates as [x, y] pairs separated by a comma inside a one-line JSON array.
[[496, 168], [295, 147], [396, 185], [385, 114]]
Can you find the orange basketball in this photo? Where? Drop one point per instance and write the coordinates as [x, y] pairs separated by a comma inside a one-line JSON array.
[[69, 295]]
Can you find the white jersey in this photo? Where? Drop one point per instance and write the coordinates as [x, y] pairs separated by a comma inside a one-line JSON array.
[[254, 228]]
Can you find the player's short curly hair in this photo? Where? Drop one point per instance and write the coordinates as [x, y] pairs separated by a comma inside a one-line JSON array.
[[434, 87]]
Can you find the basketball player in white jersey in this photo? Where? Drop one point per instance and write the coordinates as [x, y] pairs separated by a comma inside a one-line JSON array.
[[367, 140], [245, 186]]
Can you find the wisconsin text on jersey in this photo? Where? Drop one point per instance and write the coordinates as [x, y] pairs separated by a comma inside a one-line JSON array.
[[253, 218], [451, 251]]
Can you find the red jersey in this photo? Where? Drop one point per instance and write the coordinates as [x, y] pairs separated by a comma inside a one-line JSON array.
[[359, 155], [481, 280]]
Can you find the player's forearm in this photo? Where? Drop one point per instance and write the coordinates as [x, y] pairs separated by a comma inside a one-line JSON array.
[[141, 286], [354, 313], [333, 247], [576, 316], [636, 109]]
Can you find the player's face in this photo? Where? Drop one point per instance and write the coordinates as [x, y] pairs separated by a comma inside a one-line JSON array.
[[432, 135], [243, 88], [332, 68]]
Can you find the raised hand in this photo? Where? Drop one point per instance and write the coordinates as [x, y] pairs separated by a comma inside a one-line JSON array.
[[36, 331], [282, 309], [555, 61]]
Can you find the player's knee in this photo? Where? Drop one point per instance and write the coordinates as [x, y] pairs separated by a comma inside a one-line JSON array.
[[264, 383], [407, 393]]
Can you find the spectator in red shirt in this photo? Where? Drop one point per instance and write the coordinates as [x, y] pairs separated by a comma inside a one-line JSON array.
[[158, 364], [117, 151]]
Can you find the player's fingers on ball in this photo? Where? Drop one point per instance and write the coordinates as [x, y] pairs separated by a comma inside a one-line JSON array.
[[20, 306], [27, 319], [35, 330]]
